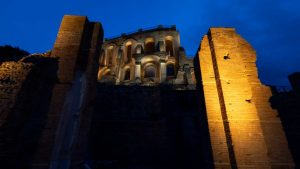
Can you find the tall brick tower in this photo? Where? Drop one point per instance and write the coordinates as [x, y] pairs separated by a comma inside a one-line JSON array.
[[77, 47], [244, 131]]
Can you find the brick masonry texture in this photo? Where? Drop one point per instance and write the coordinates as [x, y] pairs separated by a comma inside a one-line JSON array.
[[26, 94], [77, 46], [244, 130], [12, 75]]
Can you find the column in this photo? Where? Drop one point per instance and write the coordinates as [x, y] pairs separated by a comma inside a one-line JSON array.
[[163, 73]]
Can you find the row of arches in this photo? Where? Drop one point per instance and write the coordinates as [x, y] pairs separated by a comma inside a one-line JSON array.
[[150, 71], [165, 45], [131, 47]]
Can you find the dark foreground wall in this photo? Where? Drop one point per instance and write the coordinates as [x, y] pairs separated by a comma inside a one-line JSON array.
[[288, 106], [26, 89], [44, 111], [148, 127], [77, 47]]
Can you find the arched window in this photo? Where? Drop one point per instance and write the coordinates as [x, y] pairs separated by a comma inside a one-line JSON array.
[[127, 74], [170, 70], [149, 46], [120, 54], [128, 51], [150, 72], [169, 45]]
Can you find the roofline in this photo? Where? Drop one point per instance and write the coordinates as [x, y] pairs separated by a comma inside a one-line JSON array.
[[143, 30]]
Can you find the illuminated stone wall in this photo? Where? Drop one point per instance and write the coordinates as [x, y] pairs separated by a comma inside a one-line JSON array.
[[146, 57], [140, 49], [244, 130]]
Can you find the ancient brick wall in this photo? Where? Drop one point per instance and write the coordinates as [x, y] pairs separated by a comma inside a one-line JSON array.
[[26, 90], [12, 76], [77, 47], [244, 130], [214, 116], [45, 107], [275, 138]]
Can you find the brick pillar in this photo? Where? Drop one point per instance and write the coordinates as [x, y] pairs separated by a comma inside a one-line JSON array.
[[244, 131], [77, 46], [215, 122]]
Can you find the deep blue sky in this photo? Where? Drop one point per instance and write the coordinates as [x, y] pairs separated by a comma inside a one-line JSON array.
[[271, 26]]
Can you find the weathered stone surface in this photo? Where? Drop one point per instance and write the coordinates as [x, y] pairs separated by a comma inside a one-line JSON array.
[[27, 85], [77, 48], [68, 45], [12, 76], [214, 117], [235, 96]]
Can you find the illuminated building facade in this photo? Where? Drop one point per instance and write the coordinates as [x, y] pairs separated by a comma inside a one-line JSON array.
[[146, 57]]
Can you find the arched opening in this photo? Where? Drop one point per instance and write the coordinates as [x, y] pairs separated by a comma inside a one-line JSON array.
[[127, 74], [120, 54], [106, 72], [103, 72], [110, 55], [150, 72], [149, 46], [169, 46], [170, 70], [128, 51]]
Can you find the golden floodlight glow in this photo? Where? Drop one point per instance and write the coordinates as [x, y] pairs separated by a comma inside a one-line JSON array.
[[169, 38], [243, 129], [150, 39], [128, 43]]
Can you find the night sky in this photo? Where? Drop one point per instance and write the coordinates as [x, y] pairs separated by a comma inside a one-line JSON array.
[[271, 26]]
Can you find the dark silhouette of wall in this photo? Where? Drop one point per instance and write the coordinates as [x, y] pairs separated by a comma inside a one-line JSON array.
[[288, 105], [148, 127], [26, 117], [47, 100], [77, 47]]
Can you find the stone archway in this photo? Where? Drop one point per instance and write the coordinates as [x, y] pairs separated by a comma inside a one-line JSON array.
[[127, 74], [150, 71]]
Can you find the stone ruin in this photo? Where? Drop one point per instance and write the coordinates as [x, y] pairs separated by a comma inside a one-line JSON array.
[[210, 112]]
